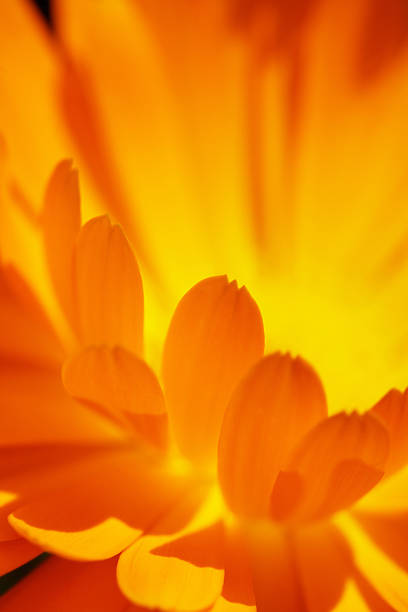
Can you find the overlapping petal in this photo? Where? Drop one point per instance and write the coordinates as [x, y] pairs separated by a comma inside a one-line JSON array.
[[215, 335], [278, 402], [185, 583], [98, 506], [107, 288], [336, 463]]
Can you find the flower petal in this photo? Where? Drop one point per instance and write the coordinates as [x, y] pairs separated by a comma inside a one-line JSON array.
[[15, 553], [100, 507], [115, 379], [108, 288], [171, 582], [288, 568], [35, 409], [273, 407], [223, 605], [25, 332], [215, 335], [392, 410], [338, 461], [61, 219], [389, 532], [65, 586], [123, 386], [33, 132], [388, 581], [185, 96]]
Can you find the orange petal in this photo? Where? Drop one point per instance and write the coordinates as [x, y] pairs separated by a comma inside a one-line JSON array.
[[238, 582], [276, 579], [100, 506], [25, 332], [108, 288], [30, 472], [65, 586], [61, 219], [34, 132], [148, 577], [185, 95], [15, 553], [215, 335], [122, 385], [389, 532], [274, 406], [35, 409], [298, 571], [338, 461], [115, 379], [392, 410]]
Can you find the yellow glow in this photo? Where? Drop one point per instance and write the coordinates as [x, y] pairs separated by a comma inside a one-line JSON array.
[[389, 580]]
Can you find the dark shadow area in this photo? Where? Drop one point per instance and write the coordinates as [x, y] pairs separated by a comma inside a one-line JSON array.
[[9, 580], [44, 7]]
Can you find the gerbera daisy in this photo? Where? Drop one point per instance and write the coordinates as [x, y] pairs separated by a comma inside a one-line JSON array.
[[247, 138]]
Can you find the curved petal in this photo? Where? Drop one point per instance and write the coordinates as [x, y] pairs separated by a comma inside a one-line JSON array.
[[388, 581], [159, 572], [215, 335], [274, 406], [61, 221], [115, 379], [65, 586], [223, 605], [99, 507], [107, 288], [392, 410], [389, 532], [123, 386], [337, 462], [35, 409]]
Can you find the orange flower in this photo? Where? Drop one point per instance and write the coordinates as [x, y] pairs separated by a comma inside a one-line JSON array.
[[261, 139], [235, 508]]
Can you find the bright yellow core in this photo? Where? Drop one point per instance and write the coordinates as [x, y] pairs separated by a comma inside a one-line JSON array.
[[350, 338]]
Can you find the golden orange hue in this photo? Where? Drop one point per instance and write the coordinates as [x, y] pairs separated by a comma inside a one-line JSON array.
[[263, 141]]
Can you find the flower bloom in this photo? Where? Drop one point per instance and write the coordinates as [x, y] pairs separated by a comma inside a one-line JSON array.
[[259, 139], [219, 491]]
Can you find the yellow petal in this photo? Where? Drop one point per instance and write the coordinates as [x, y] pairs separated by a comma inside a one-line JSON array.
[[150, 579], [96, 508], [215, 335], [273, 407], [108, 288], [223, 605]]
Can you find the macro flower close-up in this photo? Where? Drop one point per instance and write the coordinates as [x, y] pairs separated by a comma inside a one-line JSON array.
[[203, 282]]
